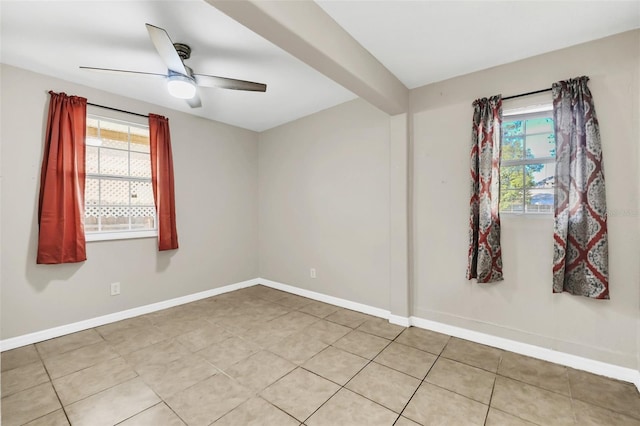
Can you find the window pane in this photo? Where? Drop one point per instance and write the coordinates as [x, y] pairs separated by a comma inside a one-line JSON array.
[[141, 193], [512, 147], [541, 146], [92, 159], [140, 165], [540, 175], [91, 218], [539, 201], [540, 125], [143, 218], [511, 201], [92, 192], [114, 218], [114, 192], [511, 128], [511, 177], [114, 162], [139, 139]]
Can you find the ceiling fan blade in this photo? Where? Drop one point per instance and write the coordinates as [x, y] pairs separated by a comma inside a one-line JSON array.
[[123, 71], [167, 52], [228, 83], [195, 101]]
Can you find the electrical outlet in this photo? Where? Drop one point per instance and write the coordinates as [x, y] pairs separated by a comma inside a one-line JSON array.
[[312, 272], [115, 289]]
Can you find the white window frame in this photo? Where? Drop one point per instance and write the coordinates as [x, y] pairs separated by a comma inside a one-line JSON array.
[[120, 234], [528, 113]]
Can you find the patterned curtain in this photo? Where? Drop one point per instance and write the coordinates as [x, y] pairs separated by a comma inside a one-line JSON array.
[[62, 179], [485, 256], [581, 256]]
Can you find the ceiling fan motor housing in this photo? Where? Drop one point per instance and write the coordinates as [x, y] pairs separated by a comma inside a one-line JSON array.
[[184, 51]]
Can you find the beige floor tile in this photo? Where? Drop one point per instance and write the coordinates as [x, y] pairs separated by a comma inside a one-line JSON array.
[[112, 405], [385, 386], [326, 331], [300, 393], [260, 370], [592, 415], [348, 318], [468, 381], [381, 328], [536, 372], [435, 406], [319, 309], [207, 401], [68, 343], [110, 330], [239, 322], [29, 404], [87, 382], [336, 365], [293, 301], [24, 377], [292, 322], [158, 415], [608, 393], [205, 336], [57, 418], [78, 359], [473, 354], [256, 412], [403, 421], [349, 409], [531, 403], [175, 328], [131, 340], [425, 340], [298, 348], [406, 359], [176, 376], [229, 352], [161, 353], [362, 344], [500, 418], [18, 357], [266, 293]]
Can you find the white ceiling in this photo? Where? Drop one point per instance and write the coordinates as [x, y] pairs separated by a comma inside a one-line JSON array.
[[418, 41], [422, 42]]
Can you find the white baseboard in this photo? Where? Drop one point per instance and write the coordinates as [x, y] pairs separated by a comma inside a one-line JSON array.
[[343, 303], [40, 336], [398, 320], [562, 358]]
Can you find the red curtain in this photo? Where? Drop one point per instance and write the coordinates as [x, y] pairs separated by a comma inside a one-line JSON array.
[[61, 203], [485, 254], [162, 179]]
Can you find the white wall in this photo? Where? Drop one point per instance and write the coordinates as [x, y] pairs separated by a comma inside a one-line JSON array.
[[216, 195], [324, 203], [522, 307]]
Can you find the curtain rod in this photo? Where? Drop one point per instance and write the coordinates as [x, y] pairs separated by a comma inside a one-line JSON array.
[[527, 94], [116, 109]]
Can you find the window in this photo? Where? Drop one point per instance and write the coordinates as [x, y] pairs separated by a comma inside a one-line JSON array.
[[527, 167], [118, 190]]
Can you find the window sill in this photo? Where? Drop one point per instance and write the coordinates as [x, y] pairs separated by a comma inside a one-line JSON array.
[[125, 235]]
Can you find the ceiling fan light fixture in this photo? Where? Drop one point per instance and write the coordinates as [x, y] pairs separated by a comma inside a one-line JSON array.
[[181, 87]]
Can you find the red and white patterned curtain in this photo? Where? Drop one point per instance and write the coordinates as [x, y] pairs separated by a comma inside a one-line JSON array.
[[581, 255], [485, 256]]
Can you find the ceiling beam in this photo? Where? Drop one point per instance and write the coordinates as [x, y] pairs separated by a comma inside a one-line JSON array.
[[306, 31]]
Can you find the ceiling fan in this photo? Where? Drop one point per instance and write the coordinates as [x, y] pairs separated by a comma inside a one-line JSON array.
[[182, 82]]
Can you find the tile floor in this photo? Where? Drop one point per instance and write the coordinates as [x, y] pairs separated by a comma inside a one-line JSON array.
[[259, 356]]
